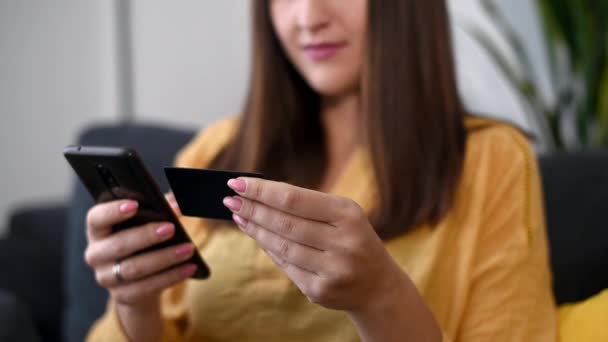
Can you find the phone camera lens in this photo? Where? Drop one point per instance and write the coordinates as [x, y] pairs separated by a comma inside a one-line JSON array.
[[107, 176], [105, 172]]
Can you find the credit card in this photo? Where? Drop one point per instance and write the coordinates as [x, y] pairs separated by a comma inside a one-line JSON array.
[[200, 192]]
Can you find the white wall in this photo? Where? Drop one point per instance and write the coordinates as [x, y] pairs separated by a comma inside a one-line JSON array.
[[55, 76], [191, 59], [482, 85]]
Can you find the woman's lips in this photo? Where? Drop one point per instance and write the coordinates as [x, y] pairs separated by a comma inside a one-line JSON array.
[[320, 52]]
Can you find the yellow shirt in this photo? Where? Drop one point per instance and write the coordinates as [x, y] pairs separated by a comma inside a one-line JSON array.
[[483, 270]]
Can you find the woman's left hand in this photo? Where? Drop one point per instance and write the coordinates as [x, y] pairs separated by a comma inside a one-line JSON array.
[[324, 243]]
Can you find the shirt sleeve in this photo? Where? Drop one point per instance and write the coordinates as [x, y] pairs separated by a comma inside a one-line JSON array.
[[510, 298], [196, 154]]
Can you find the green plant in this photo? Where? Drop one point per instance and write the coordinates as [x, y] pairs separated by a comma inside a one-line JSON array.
[[576, 35]]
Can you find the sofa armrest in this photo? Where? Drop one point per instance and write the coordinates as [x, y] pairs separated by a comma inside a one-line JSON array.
[[15, 320], [31, 264], [40, 223]]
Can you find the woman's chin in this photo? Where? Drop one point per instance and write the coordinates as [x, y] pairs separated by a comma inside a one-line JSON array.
[[332, 87]]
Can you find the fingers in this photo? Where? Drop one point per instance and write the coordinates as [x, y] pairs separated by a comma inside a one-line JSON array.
[[143, 274], [303, 279], [304, 257], [297, 201], [101, 217], [127, 242], [131, 293], [144, 265], [295, 273], [306, 232]]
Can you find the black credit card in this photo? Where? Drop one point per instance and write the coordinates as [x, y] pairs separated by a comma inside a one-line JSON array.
[[200, 192]]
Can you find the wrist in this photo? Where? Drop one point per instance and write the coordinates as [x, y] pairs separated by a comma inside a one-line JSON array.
[[395, 312], [137, 311], [149, 308], [387, 299], [140, 322]]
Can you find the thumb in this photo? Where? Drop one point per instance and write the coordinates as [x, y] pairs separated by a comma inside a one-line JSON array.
[[173, 203]]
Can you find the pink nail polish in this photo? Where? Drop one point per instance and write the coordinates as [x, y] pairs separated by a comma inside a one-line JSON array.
[[241, 222], [188, 270], [237, 185], [165, 230], [184, 250], [128, 207], [233, 203]]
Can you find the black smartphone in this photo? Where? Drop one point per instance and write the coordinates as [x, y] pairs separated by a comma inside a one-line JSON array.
[[114, 173]]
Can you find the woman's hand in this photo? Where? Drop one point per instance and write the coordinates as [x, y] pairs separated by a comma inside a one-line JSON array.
[[327, 247], [142, 277], [324, 243]]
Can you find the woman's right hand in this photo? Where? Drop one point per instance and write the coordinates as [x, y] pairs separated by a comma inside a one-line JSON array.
[[144, 275]]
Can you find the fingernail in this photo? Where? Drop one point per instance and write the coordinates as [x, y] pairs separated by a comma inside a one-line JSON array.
[[233, 203], [237, 185], [188, 270], [241, 222], [165, 230], [128, 207], [184, 250]]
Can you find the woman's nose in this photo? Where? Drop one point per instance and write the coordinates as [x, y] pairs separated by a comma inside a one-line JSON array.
[[312, 15]]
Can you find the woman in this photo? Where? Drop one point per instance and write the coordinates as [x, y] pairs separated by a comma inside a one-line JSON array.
[[397, 218]]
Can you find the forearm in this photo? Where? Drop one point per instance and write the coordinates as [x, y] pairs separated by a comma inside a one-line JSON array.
[[140, 324], [400, 315]]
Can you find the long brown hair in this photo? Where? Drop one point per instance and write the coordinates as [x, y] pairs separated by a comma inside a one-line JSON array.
[[413, 117]]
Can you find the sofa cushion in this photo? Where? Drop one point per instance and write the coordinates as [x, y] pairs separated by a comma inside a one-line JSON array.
[[584, 321]]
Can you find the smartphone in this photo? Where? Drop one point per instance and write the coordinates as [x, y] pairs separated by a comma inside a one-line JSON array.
[[115, 173]]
